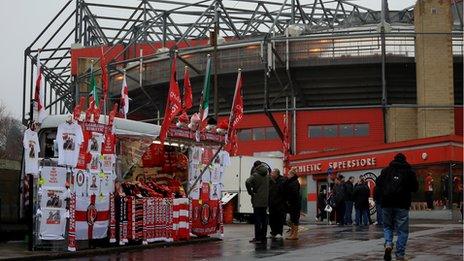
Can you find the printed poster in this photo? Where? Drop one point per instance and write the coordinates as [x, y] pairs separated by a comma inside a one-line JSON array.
[[52, 224], [53, 177], [53, 198]]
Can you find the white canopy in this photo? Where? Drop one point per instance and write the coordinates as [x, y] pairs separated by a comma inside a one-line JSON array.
[[123, 127]]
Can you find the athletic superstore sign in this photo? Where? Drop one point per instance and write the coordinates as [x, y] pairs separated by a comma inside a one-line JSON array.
[[337, 165]]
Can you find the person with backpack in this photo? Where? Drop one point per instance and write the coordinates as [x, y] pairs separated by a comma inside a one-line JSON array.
[[396, 183]]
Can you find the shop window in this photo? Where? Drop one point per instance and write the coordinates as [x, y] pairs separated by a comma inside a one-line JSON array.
[[259, 133], [342, 130], [330, 130], [271, 133], [361, 129], [346, 130], [244, 134], [315, 131]]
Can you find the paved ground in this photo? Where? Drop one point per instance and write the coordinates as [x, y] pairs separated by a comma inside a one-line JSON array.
[[428, 241]]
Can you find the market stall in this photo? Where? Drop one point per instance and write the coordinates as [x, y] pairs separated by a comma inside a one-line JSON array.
[[114, 184]]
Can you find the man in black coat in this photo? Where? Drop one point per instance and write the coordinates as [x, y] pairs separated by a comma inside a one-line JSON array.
[[361, 194], [396, 183], [349, 201], [340, 195], [276, 203]]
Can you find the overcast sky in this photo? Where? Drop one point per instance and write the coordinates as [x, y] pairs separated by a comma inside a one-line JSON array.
[[22, 20]]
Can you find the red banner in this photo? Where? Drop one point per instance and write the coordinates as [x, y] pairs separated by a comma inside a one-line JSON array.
[[205, 217]]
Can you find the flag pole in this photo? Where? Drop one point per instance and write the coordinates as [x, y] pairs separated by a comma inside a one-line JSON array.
[[124, 109], [233, 100], [208, 63]]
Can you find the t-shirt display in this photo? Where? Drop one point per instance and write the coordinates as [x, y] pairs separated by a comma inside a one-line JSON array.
[[95, 143], [69, 137], [31, 152]]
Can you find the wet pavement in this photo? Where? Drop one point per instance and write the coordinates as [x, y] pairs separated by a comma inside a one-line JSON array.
[[428, 241]]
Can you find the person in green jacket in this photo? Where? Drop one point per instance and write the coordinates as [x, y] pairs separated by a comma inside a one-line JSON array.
[[258, 187]]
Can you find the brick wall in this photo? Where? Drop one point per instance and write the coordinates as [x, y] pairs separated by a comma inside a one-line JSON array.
[[434, 68]]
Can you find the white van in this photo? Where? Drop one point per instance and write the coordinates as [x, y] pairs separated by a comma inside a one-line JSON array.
[[235, 176]]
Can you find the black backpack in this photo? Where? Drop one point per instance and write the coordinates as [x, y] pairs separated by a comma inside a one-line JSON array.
[[393, 184]]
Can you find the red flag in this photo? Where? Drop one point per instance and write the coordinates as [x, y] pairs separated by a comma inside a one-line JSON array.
[[173, 104], [39, 94], [236, 114], [286, 142], [104, 74], [187, 91]]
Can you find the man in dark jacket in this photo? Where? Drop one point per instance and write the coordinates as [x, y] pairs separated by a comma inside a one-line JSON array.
[[276, 203], [349, 201], [258, 187], [361, 202], [396, 183], [339, 193], [292, 195]]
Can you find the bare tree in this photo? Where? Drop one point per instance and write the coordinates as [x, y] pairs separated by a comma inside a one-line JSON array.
[[11, 132]]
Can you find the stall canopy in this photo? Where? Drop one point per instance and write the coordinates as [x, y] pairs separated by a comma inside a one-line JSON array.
[[123, 127]]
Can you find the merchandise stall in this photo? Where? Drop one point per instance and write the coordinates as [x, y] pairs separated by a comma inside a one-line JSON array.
[[105, 180]]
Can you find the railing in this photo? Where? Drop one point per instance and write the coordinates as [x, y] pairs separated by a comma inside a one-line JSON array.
[[302, 51]]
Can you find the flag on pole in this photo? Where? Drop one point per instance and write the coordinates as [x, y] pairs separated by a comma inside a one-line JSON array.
[[39, 94], [204, 102], [236, 114], [93, 86], [187, 91], [104, 74], [286, 141], [124, 97], [173, 104]]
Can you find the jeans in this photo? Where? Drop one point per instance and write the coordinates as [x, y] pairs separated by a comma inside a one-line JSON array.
[[348, 212], [378, 209], [362, 217], [396, 218], [260, 216]]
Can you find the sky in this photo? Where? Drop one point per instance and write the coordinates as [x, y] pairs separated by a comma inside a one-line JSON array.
[[21, 21]]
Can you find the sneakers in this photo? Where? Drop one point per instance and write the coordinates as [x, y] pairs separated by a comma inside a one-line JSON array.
[[388, 253], [401, 258]]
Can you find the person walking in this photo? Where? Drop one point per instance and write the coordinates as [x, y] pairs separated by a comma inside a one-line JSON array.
[[361, 202], [396, 183], [276, 204], [428, 189], [349, 201], [292, 194], [339, 193], [257, 186]]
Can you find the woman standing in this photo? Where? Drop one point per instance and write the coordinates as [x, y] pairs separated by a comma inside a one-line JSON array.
[[292, 193]]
